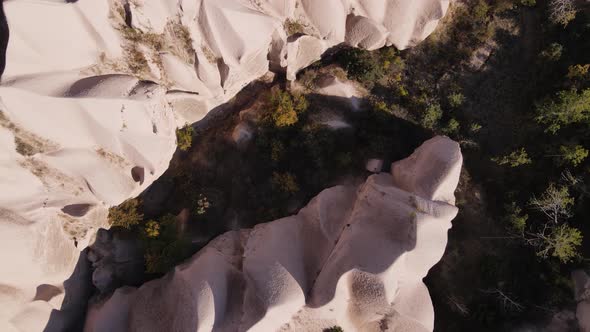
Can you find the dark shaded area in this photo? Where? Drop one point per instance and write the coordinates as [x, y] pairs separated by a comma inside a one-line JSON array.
[[76, 210], [46, 292], [4, 35], [138, 174], [78, 289]]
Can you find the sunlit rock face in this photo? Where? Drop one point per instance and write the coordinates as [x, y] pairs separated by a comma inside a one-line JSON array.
[[88, 113], [353, 257]]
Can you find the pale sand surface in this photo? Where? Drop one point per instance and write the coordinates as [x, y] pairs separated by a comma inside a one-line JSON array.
[[83, 121]]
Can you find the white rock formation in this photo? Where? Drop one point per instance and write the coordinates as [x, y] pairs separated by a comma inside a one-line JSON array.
[[354, 257], [79, 133], [582, 296]]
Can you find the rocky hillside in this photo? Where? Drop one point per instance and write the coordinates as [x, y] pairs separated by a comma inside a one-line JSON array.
[[93, 92]]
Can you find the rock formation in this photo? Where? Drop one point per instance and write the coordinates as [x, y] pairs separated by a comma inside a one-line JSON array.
[[353, 257], [582, 296], [93, 91]]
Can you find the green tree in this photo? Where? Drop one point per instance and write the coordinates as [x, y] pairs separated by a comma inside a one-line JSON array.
[[567, 108], [563, 243], [361, 65], [184, 137], [126, 214], [285, 107], [516, 218], [573, 154], [514, 159]]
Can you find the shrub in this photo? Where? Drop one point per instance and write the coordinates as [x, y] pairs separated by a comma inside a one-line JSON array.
[[516, 218], [308, 79], [529, 3], [152, 229], [333, 329], [452, 127], [293, 27], [577, 71], [432, 115], [552, 52], [475, 127], [514, 159], [184, 137], [456, 99], [480, 10], [166, 250], [285, 182], [126, 214], [136, 61], [202, 204], [277, 150]]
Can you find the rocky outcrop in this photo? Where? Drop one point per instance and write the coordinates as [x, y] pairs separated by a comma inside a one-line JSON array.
[[582, 297], [353, 257], [89, 106]]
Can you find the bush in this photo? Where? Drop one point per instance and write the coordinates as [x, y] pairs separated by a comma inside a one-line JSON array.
[[152, 229], [577, 71], [475, 128], [293, 27], [166, 250], [456, 99], [277, 150], [432, 115], [333, 329], [285, 182], [126, 214], [480, 10], [452, 127], [514, 159], [552, 53], [516, 218], [202, 204], [184, 137], [562, 12]]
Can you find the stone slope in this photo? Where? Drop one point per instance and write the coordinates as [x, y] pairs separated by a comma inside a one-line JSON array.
[[82, 127], [353, 257]]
